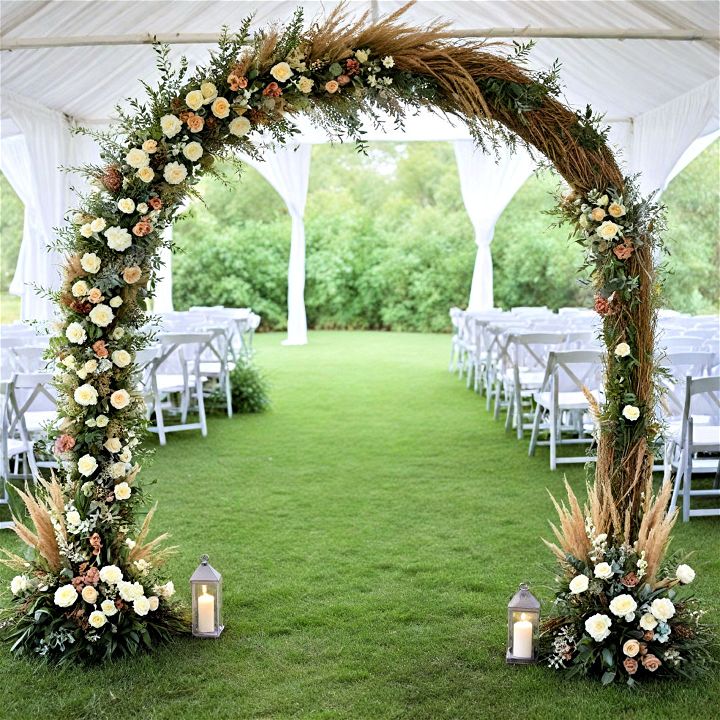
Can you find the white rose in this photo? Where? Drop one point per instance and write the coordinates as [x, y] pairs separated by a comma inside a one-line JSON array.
[[82, 373], [73, 518], [170, 125], [89, 594], [608, 230], [68, 361], [239, 126], [98, 225], [220, 107], [108, 608], [75, 333], [685, 574], [112, 445], [86, 230], [648, 621], [305, 84], [125, 456], [142, 208], [579, 584], [118, 238], [141, 605], [193, 151], [123, 490], [167, 590], [137, 158], [209, 92], [120, 399], [281, 72], [603, 201], [623, 605], [111, 574], [121, 358], [118, 333], [80, 288], [130, 591], [65, 596], [175, 173], [102, 315], [662, 609], [102, 420], [85, 395], [116, 302], [87, 465], [361, 55], [97, 619], [126, 205], [19, 584], [616, 209], [194, 99], [622, 350], [154, 601], [146, 174], [90, 263], [603, 571], [630, 412], [598, 627]]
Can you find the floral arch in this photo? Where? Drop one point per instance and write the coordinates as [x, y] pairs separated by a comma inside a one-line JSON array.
[[96, 588]]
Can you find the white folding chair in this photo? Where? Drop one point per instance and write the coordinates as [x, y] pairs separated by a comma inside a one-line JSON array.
[[455, 320], [561, 406], [696, 448], [215, 364]]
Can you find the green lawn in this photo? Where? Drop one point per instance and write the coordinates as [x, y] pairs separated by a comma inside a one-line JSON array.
[[9, 308], [370, 529]]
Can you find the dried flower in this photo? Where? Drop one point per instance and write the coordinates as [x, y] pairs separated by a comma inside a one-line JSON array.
[[352, 67], [630, 580], [272, 90], [624, 251], [630, 665], [112, 178], [64, 443], [651, 662]]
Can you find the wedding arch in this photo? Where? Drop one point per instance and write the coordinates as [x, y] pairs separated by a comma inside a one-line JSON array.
[[96, 588]]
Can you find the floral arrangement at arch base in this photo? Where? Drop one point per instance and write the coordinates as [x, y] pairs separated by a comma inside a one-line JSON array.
[[95, 588]]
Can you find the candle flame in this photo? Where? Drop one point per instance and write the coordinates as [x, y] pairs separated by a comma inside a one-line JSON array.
[[523, 616], [204, 590]]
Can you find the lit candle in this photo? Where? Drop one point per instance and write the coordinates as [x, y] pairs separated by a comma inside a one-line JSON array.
[[523, 638], [206, 612]]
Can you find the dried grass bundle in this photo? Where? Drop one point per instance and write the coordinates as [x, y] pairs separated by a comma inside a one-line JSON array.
[[44, 542], [655, 528], [572, 535], [146, 551]]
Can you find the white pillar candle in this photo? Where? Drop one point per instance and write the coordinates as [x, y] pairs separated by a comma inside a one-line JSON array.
[[206, 612], [523, 638]]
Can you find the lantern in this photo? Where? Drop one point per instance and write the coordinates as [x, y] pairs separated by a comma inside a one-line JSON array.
[[523, 627], [206, 589]]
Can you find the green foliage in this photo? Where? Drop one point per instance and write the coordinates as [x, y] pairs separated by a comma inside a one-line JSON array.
[[250, 388], [11, 230]]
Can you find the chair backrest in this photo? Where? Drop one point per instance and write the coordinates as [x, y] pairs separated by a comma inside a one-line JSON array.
[[680, 366], [573, 370], [530, 350], [702, 402], [28, 392], [180, 350], [29, 358], [680, 343]]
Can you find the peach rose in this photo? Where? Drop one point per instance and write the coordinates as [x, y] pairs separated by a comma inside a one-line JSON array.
[[603, 306], [195, 123], [155, 203], [142, 228], [597, 214], [131, 274], [624, 251], [95, 296], [99, 349], [332, 86], [650, 662], [630, 665], [343, 80], [64, 443], [185, 116], [237, 82]]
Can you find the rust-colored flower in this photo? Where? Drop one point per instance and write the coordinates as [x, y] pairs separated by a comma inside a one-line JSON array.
[[95, 296], [92, 576], [237, 82], [624, 251], [185, 115], [603, 306], [155, 203], [78, 583], [119, 604], [211, 122], [99, 349], [131, 274], [272, 90], [64, 443], [112, 178], [343, 80], [80, 307], [648, 636], [352, 67], [630, 580], [630, 665], [651, 662], [142, 228], [196, 123]]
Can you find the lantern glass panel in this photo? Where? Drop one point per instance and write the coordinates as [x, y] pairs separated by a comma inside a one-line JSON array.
[[523, 627], [206, 591]]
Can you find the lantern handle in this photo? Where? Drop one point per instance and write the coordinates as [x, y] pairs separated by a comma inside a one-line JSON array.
[[204, 559]]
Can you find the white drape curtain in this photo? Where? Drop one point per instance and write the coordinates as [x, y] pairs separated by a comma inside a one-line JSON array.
[[287, 169], [487, 185]]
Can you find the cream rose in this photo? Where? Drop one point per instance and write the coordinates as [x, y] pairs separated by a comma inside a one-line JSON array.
[[170, 125], [112, 445], [97, 619], [616, 210], [130, 591], [141, 605], [608, 230], [122, 491], [126, 205], [115, 302], [125, 456], [662, 608], [89, 594], [194, 99], [87, 465], [80, 288], [118, 238], [622, 350], [75, 333], [305, 84], [598, 627], [19, 584], [90, 263], [142, 208], [597, 214], [631, 413], [332, 86], [120, 399], [648, 621], [579, 584], [685, 574], [220, 107], [102, 420], [101, 315], [85, 395], [111, 574], [73, 518], [175, 173], [209, 92], [118, 470], [121, 358], [623, 605], [98, 225], [603, 571], [281, 72], [108, 608], [167, 590], [193, 151], [150, 146], [118, 332], [239, 126], [65, 596], [146, 174], [137, 158], [154, 601], [86, 230], [631, 648]]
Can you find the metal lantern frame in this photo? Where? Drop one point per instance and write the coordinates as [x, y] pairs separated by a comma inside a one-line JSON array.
[[523, 607], [206, 582]]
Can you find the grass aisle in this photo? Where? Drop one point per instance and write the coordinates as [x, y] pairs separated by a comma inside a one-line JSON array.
[[370, 529]]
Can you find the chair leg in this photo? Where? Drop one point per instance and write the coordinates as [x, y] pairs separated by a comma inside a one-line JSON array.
[[201, 406], [228, 395], [535, 430], [676, 488], [553, 438], [519, 414], [510, 412], [159, 420], [687, 484]]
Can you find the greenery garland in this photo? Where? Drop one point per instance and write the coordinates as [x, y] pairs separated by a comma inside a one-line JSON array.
[[95, 589]]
